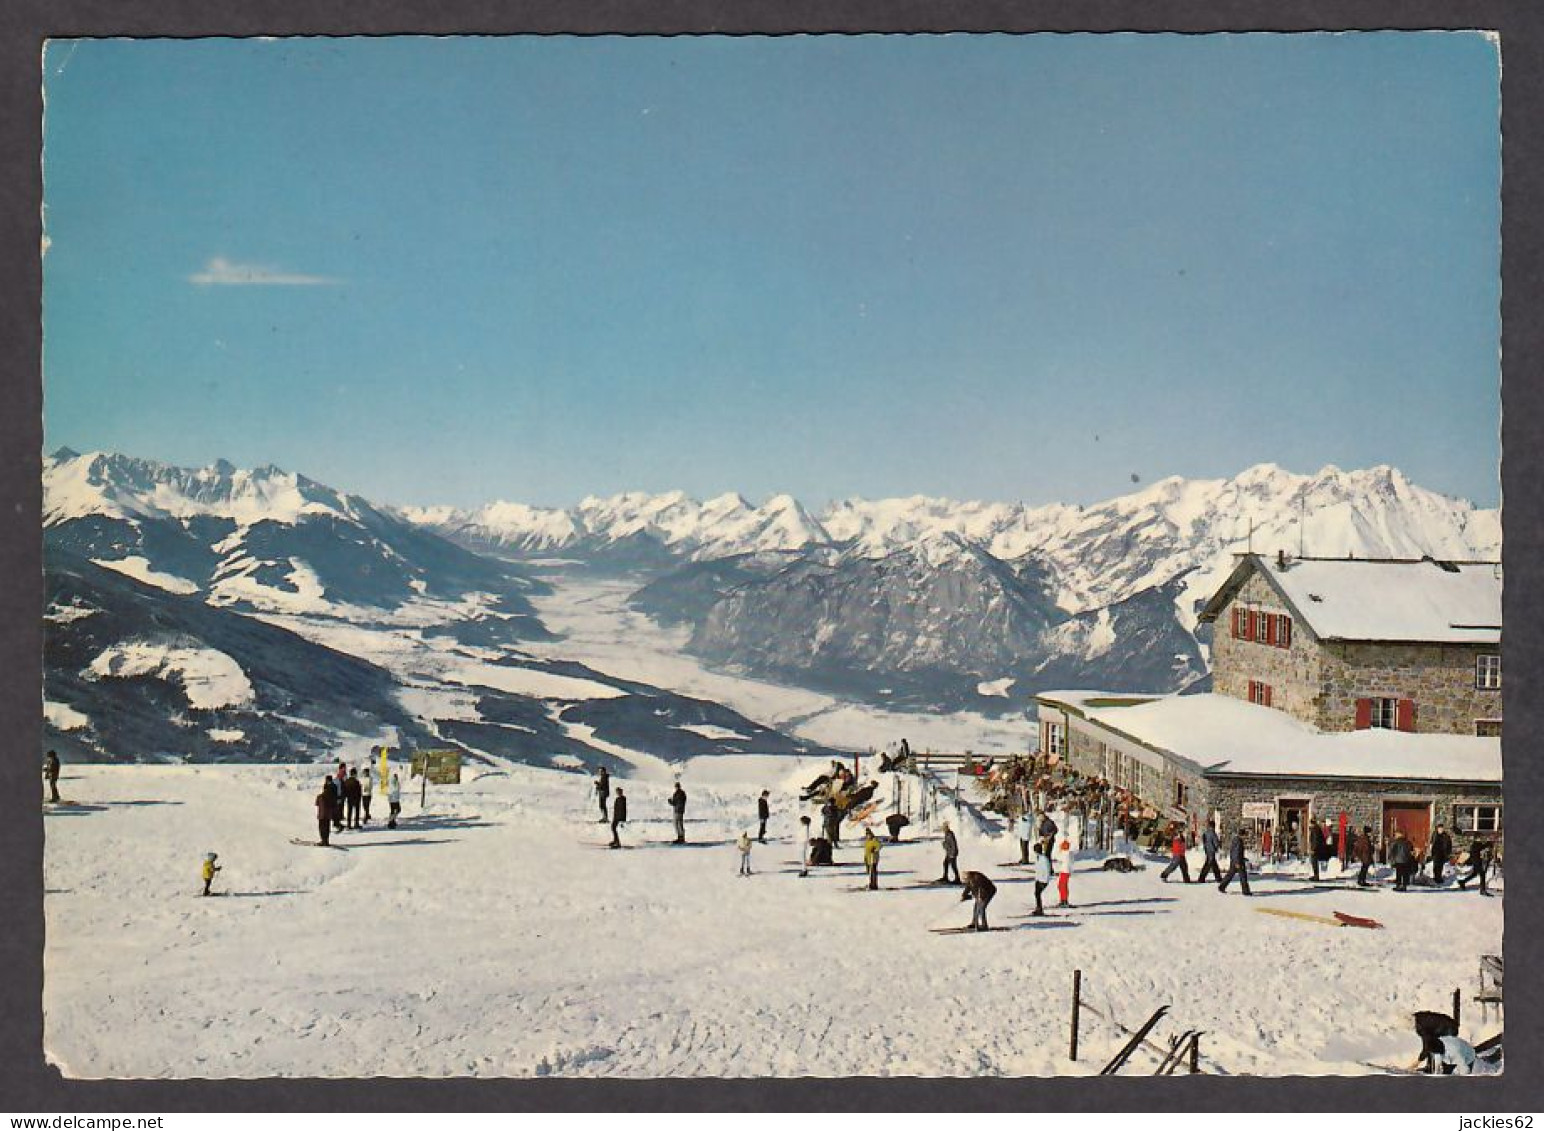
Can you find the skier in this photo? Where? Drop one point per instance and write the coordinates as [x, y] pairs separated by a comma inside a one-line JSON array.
[[1042, 876], [603, 793], [833, 819], [1063, 862], [951, 856], [763, 811], [352, 793], [981, 889], [1316, 842], [804, 870], [367, 787], [895, 822], [324, 803], [1023, 828], [1479, 864], [744, 844], [393, 800], [618, 817], [678, 807], [871, 857], [1177, 858], [210, 868], [1441, 853], [51, 775], [1402, 857], [1238, 864], [1210, 843], [860, 797], [1362, 852]]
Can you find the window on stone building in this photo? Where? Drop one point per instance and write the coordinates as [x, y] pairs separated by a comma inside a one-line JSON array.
[[1387, 714], [1260, 693], [1477, 818], [1487, 673], [1487, 728], [1181, 795], [1055, 740], [1283, 631]]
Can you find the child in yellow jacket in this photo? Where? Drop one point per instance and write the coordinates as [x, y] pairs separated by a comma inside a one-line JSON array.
[[210, 868]]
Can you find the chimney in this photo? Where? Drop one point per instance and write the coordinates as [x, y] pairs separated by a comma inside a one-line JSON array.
[[1281, 559]]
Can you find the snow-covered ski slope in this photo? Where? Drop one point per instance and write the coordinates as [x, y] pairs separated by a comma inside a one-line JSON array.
[[494, 935]]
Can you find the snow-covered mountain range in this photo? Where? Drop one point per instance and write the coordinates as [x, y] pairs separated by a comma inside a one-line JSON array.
[[265, 540], [1096, 553], [945, 603], [631, 528], [912, 602]]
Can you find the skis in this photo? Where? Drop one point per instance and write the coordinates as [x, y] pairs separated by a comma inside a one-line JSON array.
[[1299, 915], [862, 814], [964, 930], [316, 844], [1356, 921]]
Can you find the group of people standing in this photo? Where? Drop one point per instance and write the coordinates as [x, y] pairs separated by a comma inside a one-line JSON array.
[[344, 801], [1402, 856], [614, 810]]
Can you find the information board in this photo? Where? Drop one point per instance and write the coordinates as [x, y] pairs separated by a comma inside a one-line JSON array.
[[443, 767]]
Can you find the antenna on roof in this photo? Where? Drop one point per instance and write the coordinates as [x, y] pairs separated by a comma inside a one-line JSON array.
[[1251, 535], [1302, 519]]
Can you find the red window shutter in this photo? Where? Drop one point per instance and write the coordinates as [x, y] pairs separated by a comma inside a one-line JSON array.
[[1237, 632], [1363, 714], [1266, 690], [1284, 634], [1249, 624], [1404, 715], [1270, 628]]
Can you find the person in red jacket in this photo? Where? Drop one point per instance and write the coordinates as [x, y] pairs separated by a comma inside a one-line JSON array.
[[1177, 859]]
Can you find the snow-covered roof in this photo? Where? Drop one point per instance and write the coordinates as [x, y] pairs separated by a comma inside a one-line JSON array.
[[1224, 735], [1422, 601]]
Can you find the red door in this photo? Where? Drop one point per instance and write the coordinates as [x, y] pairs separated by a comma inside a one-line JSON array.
[[1413, 818]]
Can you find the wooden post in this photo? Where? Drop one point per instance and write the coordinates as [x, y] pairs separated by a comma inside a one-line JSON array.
[[1077, 995], [1195, 1054], [1457, 1007]]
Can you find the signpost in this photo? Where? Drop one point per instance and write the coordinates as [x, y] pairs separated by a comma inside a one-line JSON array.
[[442, 767], [1260, 810]]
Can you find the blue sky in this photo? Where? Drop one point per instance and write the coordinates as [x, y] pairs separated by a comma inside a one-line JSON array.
[[452, 270]]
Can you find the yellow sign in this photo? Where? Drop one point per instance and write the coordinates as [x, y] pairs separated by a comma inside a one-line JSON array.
[[443, 767]]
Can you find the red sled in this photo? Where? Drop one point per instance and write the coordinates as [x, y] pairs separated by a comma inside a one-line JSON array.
[[1356, 920]]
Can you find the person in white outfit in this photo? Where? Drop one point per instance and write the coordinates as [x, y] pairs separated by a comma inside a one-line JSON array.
[[394, 800]]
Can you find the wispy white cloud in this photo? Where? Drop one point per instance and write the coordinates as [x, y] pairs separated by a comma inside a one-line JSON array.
[[221, 272]]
